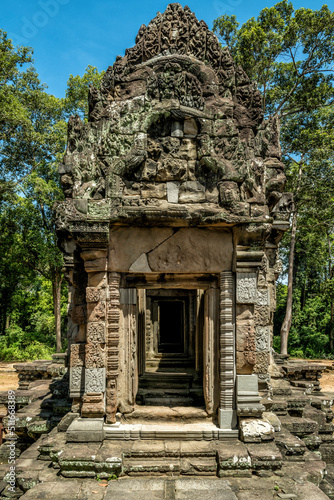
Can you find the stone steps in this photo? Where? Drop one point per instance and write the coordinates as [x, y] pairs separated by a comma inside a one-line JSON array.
[[170, 397], [166, 380], [162, 414]]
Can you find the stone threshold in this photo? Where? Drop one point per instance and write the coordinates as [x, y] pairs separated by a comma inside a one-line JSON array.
[[196, 432], [84, 430]]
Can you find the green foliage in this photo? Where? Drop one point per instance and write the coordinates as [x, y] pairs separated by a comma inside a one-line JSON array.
[[18, 345], [310, 324], [76, 101], [288, 52], [31, 330], [33, 128]]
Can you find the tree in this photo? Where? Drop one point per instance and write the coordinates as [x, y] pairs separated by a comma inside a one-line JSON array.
[[33, 138], [32, 130], [290, 55]]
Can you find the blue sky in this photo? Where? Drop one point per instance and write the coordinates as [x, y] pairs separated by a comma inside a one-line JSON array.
[[68, 35]]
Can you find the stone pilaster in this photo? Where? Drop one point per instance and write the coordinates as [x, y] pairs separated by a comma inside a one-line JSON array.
[[226, 412], [113, 317], [252, 337], [95, 348]]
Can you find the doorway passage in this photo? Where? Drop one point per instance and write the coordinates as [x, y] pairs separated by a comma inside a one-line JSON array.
[[171, 326], [173, 373]]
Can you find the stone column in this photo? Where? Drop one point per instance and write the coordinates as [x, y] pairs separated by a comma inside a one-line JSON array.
[[227, 412]]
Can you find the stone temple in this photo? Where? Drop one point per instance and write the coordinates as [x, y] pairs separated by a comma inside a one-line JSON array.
[[173, 212]]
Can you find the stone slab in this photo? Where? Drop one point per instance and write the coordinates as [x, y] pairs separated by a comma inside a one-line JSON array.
[[184, 250], [192, 250], [84, 430], [170, 489]]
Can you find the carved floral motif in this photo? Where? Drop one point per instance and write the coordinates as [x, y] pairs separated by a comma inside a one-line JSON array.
[[95, 355], [96, 332], [92, 294]]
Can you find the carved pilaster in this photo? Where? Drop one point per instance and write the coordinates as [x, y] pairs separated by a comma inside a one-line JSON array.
[[113, 317], [227, 414]]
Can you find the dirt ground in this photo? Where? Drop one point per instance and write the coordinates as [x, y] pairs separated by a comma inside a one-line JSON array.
[[9, 379]]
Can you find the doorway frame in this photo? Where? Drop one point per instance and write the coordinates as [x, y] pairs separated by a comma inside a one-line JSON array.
[[219, 338]]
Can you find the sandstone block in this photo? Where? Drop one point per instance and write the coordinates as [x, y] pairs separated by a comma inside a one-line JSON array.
[[171, 169], [192, 192], [96, 311], [154, 190], [255, 430], [190, 128]]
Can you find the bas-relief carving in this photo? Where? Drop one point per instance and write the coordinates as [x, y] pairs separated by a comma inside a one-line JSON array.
[[246, 288], [93, 294], [95, 379], [262, 297], [77, 355], [262, 338], [96, 311]]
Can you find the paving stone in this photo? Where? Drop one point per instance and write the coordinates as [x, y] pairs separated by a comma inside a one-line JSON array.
[[290, 446], [265, 456], [134, 489], [197, 489], [299, 426]]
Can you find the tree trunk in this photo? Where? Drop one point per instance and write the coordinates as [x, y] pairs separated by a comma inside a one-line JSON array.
[[286, 325], [330, 272], [56, 292]]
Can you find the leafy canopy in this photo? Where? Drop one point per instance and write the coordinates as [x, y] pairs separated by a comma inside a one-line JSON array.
[[288, 52]]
